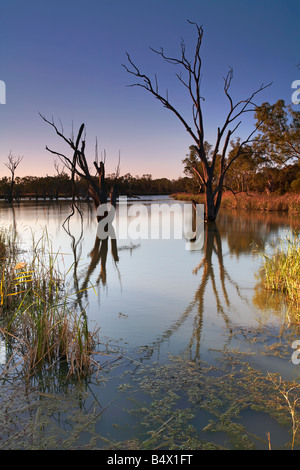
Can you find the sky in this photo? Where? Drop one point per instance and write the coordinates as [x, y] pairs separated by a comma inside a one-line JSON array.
[[64, 59]]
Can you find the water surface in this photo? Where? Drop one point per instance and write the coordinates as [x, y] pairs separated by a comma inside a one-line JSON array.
[[154, 299]]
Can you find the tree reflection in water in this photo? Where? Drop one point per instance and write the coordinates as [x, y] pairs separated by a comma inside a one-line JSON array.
[[83, 282], [212, 246], [241, 232]]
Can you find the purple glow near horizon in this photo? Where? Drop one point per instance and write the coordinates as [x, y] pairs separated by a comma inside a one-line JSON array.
[[64, 59]]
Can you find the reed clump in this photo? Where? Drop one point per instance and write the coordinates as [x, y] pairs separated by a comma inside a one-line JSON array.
[[280, 270], [288, 203], [38, 319]]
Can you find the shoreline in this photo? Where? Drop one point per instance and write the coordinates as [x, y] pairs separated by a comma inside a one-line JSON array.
[[288, 203]]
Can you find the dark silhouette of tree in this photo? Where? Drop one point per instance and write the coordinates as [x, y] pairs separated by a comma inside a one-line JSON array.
[[192, 82], [79, 167], [13, 163]]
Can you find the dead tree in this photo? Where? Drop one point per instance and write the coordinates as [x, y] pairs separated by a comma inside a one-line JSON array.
[[212, 181], [78, 167], [12, 165]]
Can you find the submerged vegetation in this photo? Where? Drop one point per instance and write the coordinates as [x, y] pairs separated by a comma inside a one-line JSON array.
[[38, 320], [206, 407], [177, 404], [180, 404]]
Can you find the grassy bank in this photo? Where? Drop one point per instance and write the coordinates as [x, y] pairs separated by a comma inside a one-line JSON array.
[[280, 270], [289, 203], [38, 321]]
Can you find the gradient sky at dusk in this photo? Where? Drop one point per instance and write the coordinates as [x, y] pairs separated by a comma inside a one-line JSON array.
[[64, 59]]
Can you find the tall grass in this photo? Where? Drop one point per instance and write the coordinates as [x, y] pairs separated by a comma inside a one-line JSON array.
[[288, 203], [280, 270], [38, 319]]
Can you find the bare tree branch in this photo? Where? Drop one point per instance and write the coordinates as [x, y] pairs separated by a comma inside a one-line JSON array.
[[78, 164], [192, 82], [13, 163]]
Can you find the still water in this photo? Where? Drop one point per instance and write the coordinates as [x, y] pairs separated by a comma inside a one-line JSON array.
[[170, 313]]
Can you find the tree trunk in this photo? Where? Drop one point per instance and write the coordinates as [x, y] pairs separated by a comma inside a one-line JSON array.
[[211, 211], [78, 166], [206, 154]]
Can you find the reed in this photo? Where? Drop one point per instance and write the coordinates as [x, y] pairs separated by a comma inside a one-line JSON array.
[[280, 271], [288, 203], [38, 317]]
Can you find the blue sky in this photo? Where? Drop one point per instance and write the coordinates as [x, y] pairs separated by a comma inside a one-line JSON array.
[[64, 59]]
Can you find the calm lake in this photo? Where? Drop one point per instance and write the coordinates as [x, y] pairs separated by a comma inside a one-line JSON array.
[[187, 337]]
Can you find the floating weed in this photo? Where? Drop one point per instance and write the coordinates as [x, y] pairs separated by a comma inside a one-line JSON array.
[[290, 392], [194, 405], [32, 420]]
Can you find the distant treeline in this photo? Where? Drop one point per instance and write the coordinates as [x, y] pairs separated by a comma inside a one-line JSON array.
[[270, 180], [60, 186]]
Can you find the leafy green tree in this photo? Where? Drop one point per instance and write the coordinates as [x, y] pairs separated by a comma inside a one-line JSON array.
[[279, 132], [194, 168], [243, 172]]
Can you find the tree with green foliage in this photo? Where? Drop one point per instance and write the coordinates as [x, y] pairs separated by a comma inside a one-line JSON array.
[[193, 167], [243, 172], [279, 136]]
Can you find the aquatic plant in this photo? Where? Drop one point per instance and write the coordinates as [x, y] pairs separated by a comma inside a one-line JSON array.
[[288, 203], [280, 270], [193, 405], [38, 319]]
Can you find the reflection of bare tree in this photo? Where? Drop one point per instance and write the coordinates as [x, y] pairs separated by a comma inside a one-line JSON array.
[[98, 259], [14, 220], [76, 246], [241, 231], [212, 250], [98, 255], [212, 245]]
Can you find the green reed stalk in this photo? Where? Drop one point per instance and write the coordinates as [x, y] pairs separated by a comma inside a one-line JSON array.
[[281, 270], [36, 311]]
